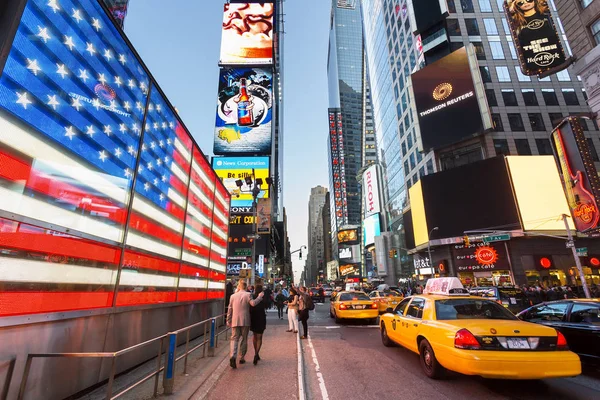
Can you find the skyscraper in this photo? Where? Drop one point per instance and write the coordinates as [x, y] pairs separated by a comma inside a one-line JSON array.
[[315, 257]]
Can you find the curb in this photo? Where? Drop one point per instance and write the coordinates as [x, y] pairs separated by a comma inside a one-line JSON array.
[[301, 389], [206, 387]]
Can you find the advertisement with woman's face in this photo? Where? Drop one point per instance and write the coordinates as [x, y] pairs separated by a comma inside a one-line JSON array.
[[534, 35]]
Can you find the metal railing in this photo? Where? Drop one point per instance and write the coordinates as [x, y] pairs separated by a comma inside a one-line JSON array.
[[168, 367]]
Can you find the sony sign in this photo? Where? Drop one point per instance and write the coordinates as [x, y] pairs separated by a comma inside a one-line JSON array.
[[371, 191]]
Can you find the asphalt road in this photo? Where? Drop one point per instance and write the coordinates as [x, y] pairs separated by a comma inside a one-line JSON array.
[[348, 361]]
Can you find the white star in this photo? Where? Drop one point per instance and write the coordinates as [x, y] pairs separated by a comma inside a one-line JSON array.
[[169, 141], [161, 197], [135, 128], [152, 145], [126, 105], [83, 75], [163, 178], [127, 173], [122, 59], [33, 66], [90, 49], [69, 42], [118, 81], [118, 152], [90, 130], [108, 54], [103, 156], [23, 100], [43, 34], [155, 181], [167, 159], [131, 150], [77, 104], [144, 147], [52, 101], [164, 125], [138, 105], [146, 186], [96, 104], [123, 128], [96, 24], [161, 143], [70, 133], [158, 107], [140, 169], [77, 15], [150, 107], [158, 162], [148, 126], [61, 70], [143, 86], [107, 130], [101, 78], [149, 166], [155, 125], [113, 104], [171, 125], [131, 84], [52, 4]]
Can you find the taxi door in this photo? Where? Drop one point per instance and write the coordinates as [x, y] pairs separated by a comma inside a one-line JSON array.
[[396, 329], [411, 323]]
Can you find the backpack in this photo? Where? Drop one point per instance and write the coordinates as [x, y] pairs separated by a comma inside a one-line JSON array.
[[308, 302]]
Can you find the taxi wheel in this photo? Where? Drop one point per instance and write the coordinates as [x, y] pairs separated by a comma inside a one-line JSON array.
[[385, 339], [337, 320], [429, 363]]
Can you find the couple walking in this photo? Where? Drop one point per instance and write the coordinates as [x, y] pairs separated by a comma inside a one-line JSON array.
[[298, 306], [245, 314]]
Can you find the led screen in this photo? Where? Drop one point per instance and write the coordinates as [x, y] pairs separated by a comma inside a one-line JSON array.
[[247, 36], [244, 111], [371, 228], [232, 169]]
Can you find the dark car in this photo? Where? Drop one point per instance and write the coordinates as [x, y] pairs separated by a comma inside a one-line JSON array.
[[510, 297], [577, 319], [317, 294]]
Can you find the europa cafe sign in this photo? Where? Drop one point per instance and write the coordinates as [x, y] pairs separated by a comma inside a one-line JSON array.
[[371, 191]]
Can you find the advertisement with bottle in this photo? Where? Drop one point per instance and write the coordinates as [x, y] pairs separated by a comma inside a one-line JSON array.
[[244, 111]]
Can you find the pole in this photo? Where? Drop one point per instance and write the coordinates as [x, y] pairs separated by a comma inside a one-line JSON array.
[[586, 290], [254, 229]]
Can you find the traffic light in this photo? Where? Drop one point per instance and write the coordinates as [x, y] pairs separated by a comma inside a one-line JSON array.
[[300, 256], [466, 241], [395, 253]]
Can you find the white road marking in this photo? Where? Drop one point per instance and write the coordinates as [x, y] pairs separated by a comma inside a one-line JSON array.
[[320, 378], [301, 392]]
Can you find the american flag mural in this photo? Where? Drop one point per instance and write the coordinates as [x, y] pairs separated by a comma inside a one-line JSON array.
[[86, 136]]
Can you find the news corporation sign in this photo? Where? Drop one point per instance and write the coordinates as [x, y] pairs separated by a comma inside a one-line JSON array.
[[371, 191]]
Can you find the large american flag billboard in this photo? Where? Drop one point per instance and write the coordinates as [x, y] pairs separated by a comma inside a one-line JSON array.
[[102, 190]]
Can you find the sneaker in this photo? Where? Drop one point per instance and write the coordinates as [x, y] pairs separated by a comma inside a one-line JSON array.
[[232, 363]]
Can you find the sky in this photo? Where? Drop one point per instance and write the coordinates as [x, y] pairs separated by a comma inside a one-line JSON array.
[[180, 45]]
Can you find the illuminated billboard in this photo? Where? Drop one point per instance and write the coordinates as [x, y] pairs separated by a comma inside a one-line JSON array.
[[370, 184], [232, 169], [247, 36], [480, 257], [263, 216], [534, 35], [371, 228], [578, 174], [339, 202], [449, 100], [244, 111], [347, 236]]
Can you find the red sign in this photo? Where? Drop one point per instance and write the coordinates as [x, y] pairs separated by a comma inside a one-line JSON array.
[[486, 255]]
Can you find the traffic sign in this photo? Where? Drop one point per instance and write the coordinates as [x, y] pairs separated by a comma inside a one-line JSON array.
[[570, 244], [582, 251], [496, 238]]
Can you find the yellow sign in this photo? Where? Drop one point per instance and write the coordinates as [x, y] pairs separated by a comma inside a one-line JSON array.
[[233, 169]]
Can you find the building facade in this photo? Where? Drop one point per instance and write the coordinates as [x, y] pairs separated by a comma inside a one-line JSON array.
[[315, 257]]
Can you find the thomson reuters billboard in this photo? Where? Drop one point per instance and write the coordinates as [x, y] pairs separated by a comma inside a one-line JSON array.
[[247, 36], [232, 169], [370, 184]]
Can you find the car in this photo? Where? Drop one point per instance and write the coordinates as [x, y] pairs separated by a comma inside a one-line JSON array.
[[353, 305], [328, 290], [510, 297], [386, 300], [577, 319], [317, 294], [451, 330]]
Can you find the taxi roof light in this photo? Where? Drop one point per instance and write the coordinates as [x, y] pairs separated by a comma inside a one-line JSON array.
[[561, 342], [465, 340], [445, 286]]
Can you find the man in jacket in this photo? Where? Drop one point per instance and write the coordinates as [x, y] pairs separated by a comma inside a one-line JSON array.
[[238, 318]]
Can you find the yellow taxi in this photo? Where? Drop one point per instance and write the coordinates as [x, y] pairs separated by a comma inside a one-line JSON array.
[[353, 305], [451, 330], [386, 299]]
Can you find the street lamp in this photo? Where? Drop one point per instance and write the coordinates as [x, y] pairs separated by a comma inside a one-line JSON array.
[[429, 247], [256, 184]]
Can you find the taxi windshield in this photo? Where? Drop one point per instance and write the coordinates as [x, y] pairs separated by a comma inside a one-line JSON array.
[[393, 294], [452, 309], [353, 296]]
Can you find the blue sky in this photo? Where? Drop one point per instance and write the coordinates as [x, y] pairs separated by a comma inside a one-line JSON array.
[[180, 45]]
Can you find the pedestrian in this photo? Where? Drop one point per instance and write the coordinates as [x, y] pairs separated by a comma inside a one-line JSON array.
[[303, 310], [268, 298], [279, 301], [258, 323], [238, 318], [292, 304], [228, 293]]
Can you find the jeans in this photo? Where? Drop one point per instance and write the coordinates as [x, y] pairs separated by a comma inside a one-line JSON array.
[[280, 310], [293, 319], [303, 316], [236, 333]]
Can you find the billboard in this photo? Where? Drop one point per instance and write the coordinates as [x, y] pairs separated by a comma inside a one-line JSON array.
[[232, 169], [449, 101], [426, 13], [347, 236], [118, 9], [480, 257], [371, 228], [339, 202], [263, 216], [350, 254], [247, 36], [244, 111], [578, 174], [370, 184], [534, 35]]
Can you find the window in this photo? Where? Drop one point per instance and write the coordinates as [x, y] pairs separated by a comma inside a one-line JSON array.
[[490, 26], [472, 27], [555, 118], [430, 167], [497, 51], [501, 147], [584, 124], [516, 122], [453, 27], [485, 74], [353, 296], [455, 46], [537, 122], [485, 6], [503, 75], [550, 97], [505, 24], [570, 97], [479, 50], [585, 314], [529, 97], [585, 3], [497, 122], [500, 4], [522, 146], [563, 76], [511, 46], [595, 28], [522, 77], [547, 312], [509, 97], [491, 97], [451, 6], [544, 147], [400, 308], [454, 309], [415, 309], [467, 6], [593, 151]]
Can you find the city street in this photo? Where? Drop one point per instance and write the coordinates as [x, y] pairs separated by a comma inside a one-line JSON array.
[[353, 363]]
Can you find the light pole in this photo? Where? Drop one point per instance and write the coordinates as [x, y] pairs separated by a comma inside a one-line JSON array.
[[429, 248]]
